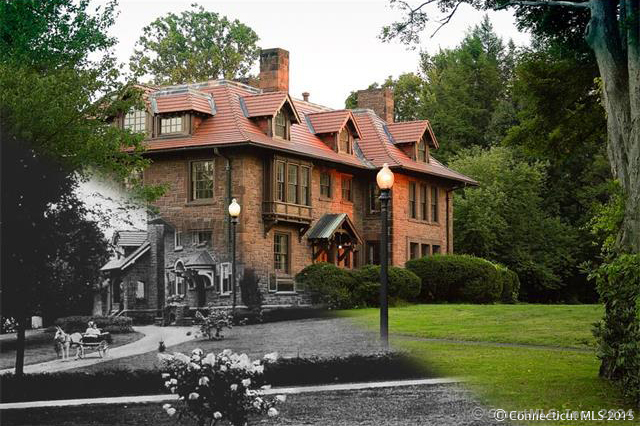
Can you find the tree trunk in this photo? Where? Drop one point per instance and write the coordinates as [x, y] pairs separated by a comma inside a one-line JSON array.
[[20, 344], [617, 52]]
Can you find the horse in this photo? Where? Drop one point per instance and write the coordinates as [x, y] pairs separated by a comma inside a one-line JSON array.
[[64, 341]]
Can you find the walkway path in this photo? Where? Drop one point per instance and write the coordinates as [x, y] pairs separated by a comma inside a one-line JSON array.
[[152, 336]]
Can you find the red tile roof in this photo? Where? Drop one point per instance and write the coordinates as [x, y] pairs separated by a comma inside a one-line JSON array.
[[267, 104], [182, 100], [411, 131], [331, 121], [232, 124]]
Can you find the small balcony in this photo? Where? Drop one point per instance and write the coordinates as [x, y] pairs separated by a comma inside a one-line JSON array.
[[274, 212]]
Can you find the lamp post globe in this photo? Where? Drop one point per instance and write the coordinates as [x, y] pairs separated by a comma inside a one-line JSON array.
[[385, 180], [234, 208]]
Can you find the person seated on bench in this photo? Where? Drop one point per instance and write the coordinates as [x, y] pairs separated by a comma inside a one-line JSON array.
[[93, 332]]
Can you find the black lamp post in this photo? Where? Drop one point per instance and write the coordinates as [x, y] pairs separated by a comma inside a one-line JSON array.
[[234, 212], [385, 182]]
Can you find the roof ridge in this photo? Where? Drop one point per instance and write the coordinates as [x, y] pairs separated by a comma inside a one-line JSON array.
[[236, 116]]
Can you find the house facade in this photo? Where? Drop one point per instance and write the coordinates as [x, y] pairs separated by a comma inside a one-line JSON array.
[[304, 175]]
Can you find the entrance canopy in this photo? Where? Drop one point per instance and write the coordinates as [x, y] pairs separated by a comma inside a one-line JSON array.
[[334, 227]]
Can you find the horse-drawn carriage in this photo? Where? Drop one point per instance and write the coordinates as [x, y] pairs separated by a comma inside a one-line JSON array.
[[84, 343]]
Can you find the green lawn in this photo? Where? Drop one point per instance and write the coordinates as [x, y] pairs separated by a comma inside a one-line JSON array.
[[509, 377], [549, 325]]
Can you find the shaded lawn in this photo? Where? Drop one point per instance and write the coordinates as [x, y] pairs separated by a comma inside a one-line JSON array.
[[323, 337], [549, 325], [40, 348], [418, 405]]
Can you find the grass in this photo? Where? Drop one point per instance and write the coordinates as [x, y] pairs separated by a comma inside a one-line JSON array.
[[413, 405], [547, 325], [39, 347], [509, 377]]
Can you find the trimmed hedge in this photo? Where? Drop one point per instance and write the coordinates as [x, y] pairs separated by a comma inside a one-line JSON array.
[[510, 284], [403, 284], [285, 372], [344, 288], [78, 323], [459, 278]]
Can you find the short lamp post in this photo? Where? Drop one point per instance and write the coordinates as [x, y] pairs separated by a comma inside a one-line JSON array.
[[234, 212], [385, 182]]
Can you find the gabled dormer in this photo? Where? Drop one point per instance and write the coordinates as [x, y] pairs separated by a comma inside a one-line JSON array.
[[273, 112], [178, 111], [338, 129], [414, 138]]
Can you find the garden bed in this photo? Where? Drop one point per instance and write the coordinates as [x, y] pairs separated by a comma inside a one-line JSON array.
[[285, 372]]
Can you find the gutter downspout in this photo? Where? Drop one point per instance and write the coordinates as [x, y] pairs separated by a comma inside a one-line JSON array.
[[448, 224], [228, 198]]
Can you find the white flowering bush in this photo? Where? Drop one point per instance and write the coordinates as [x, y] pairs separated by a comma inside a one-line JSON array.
[[212, 389], [211, 326]]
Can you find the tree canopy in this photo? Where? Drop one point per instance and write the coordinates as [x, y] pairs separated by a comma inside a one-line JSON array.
[[196, 45]]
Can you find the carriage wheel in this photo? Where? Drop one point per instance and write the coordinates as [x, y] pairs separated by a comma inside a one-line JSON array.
[[102, 348]]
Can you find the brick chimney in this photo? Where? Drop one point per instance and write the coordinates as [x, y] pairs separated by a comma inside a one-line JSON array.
[[379, 100], [305, 96], [274, 70]]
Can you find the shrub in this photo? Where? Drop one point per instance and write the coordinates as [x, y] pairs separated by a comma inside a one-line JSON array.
[[112, 325], [403, 284], [510, 284], [217, 387], [457, 278], [329, 284]]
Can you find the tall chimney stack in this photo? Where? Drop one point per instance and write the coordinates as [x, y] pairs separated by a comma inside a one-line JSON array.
[[379, 100], [274, 70], [305, 96]]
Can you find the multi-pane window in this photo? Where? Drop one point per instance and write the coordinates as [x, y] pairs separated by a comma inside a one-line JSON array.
[[422, 150], [225, 278], [177, 240], [434, 204], [140, 290], [292, 184], [412, 200], [347, 193], [201, 180], [280, 125], [135, 120], [425, 250], [424, 212], [171, 125], [344, 141], [374, 197], [202, 237], [414, 250], [325, 185], [436, 249], [372, 249], [281, 253], [304, 186], [280, 181]]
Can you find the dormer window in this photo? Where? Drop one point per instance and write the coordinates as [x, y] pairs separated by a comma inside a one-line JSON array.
[[422, 151], [281, 125], [169, 125], [344, 141], [135, 120]]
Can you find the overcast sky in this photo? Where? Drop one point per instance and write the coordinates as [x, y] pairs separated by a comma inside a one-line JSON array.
[[333, 44]]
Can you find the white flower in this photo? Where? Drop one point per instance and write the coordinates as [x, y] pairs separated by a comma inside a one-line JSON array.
[[272, 357], [173, 381], [171, 411], [195, 358], [197, 352], [246, 383], [166, 375], [234, 387], [165, 407], [281, 398], [182, 357], [227, 352], [194, 395], [223, 368], [194, 366], [217, 415], [204, 381], [167, 384], [272, 412], [209, 359], [259, 369]]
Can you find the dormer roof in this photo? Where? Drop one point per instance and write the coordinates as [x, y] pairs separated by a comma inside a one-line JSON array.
[[332, 122], [268, 105], [411, 132], [182, 98]]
